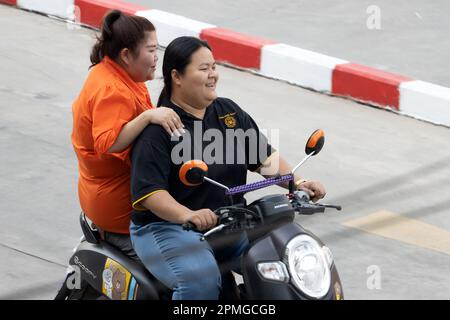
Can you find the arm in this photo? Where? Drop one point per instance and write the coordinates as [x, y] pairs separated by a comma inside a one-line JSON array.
[[163, 116], [114, 122], [276, 164], [129, 132], [166, 207]]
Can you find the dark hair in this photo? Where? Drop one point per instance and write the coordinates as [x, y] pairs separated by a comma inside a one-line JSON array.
[[178, 56], [119, 31]]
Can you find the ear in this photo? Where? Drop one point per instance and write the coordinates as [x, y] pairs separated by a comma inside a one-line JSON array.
[[125, 56], [176, 78]]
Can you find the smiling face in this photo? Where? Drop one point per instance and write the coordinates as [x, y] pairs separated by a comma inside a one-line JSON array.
[[197, 85], [142, 66]]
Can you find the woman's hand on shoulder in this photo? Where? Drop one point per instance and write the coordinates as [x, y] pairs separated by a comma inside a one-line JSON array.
[[166, 118]]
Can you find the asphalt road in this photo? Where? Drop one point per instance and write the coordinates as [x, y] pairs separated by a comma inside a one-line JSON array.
[[412, 38], [373, 162]]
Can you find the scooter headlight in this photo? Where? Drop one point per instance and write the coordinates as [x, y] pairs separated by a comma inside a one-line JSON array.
[[309, 266]]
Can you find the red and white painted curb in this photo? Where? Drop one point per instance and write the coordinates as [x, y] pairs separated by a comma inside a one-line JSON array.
[[305, 68]]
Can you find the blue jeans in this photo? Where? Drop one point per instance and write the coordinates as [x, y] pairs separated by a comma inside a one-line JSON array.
[[182, 262]]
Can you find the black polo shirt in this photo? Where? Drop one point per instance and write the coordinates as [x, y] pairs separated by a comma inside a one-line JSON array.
[[227, 139]]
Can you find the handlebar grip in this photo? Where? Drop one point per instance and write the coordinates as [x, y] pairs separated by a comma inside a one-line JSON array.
[[189, 226]]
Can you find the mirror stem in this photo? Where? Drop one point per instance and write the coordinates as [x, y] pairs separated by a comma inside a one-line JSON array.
[[216, 183], [301, 162], [220, 185]]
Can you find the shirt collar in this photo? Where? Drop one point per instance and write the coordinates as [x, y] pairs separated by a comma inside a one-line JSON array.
[[184, 114]]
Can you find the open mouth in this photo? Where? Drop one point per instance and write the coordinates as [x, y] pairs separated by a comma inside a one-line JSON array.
[[211, 85]]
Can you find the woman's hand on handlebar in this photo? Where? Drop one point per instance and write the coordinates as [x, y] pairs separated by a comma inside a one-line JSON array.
[[204, 219], [315, 189]]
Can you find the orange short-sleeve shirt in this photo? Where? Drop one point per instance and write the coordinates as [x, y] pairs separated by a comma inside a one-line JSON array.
[[108, 100]]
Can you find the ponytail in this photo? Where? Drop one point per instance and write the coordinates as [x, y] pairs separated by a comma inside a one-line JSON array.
[[119, 31], [165, 94]]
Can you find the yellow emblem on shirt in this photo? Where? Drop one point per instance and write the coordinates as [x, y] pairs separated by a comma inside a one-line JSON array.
[[230, 122], [229, 119]]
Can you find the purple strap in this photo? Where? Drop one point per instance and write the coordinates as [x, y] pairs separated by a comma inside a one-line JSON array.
[[259, 185]]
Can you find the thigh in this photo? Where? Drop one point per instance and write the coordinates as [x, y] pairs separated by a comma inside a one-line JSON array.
[[172, 254]]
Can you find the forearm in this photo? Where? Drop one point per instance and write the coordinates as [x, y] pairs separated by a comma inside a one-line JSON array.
[[129, 132], [277, 165], [166, 207]]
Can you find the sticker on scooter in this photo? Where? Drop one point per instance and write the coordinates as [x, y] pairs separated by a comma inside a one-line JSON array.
[[116, 280]]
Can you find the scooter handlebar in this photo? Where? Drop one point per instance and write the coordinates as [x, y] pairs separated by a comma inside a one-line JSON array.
[[189, 226], [303, 205]]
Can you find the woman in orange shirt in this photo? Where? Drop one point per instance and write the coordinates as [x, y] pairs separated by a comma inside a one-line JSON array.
[[112, 109]]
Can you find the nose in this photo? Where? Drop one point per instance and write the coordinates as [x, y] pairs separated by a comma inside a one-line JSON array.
[[213, 74]]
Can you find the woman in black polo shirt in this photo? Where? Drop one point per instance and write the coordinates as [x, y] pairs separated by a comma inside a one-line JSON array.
[[162, 203]]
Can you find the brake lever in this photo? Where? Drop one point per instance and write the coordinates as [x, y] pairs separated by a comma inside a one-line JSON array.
[[190, 226], [309, 208], [338, 208], [213, 230], [303, 197]]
